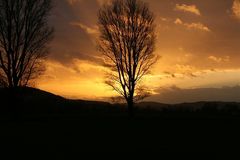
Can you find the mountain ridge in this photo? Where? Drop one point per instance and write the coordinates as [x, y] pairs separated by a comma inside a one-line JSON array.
[[36, 100]]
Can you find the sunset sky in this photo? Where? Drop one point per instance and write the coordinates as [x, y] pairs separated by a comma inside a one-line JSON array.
[[198, 42]]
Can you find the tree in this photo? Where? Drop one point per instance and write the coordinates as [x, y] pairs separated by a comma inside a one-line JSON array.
[[24, 35], [127, 40]]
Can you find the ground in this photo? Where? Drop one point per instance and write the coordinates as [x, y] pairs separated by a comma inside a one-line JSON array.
[[42, 129]]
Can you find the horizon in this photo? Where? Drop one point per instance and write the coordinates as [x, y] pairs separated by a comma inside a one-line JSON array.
[[218, 95], [198, 43]]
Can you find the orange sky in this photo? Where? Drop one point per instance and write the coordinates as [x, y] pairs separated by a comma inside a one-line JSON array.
[[198, 42]]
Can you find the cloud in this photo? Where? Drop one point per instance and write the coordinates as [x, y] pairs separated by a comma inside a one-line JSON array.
[[188, 8], [236, 8], [219, 59], [164, 19], [89, 30], [174, 41], [79, 79], [196, 26], [184, 71], [173, 94], [178, 21]]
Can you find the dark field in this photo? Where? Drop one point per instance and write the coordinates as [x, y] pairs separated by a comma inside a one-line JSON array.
[[38, 124]]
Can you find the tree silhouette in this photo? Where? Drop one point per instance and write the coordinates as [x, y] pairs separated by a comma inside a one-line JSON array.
[[127, 40], [24, 35]]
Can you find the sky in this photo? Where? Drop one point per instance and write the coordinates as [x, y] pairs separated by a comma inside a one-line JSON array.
[[198, 42]]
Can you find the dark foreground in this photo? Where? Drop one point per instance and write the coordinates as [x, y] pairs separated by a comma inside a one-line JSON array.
[[38, 130]]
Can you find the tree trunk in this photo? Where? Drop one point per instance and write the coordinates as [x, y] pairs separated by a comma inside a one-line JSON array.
[[10, 83], [131, 108], [15, 82]]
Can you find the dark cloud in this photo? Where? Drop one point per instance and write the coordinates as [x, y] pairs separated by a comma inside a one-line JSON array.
[[71, 41], [174, 95]]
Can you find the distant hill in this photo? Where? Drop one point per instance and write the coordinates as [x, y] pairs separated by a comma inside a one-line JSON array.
[[35, 101]]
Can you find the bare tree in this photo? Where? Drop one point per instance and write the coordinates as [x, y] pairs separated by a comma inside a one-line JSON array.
[[3, 81], [24, 35], [127, 40]]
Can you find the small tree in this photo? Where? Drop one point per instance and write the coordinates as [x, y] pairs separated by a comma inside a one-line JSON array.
[[127, 39], [24, 35]]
